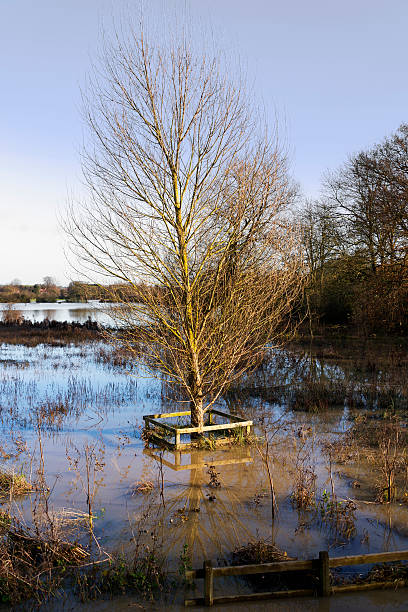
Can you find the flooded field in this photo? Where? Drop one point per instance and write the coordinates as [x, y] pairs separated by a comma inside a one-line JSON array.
[[64, 311], [71, 419]]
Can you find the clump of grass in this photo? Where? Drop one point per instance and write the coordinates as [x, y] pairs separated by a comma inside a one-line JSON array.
[[384, 572], [143, 575], [338, 515], [142, 486], [11, 315], [262, 551], [5, 521], [304, 492], [32, 334], [32, 565], [259, 551], [303, 496], [17, 484], [384, 441], [388, 572], [213, 474], [185, 564], [317, 395]]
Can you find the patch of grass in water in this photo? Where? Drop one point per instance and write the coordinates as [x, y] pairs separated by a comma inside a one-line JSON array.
[[262, 551], [259, 551], [32, 565], [143, 575], [17, 484], [384, 572]]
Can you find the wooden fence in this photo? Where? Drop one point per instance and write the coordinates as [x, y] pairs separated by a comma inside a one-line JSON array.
[[320, 566]]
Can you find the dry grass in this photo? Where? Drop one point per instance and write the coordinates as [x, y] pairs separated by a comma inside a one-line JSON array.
[[259, 551], [11, 315], [30, 334], [32, 565], [142, 486], [262, 551], [304, 491], [15, 484], [385, 572], [383, 441]]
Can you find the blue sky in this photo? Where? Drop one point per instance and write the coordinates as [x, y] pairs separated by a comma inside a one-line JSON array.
[[334, 72]]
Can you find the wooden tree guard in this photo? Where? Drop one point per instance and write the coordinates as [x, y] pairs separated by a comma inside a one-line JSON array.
[[321, 566], [157, 430]]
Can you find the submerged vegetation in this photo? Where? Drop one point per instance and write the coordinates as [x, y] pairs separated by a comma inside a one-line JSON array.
[[262, 551], [322, 471], [14, 484], [383, 439], [34, 565], [53, 333], [38, 563], [259, 551], [331, 373]]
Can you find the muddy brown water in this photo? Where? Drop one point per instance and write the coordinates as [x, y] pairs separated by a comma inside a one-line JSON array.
[[376, 601], [86, 405]]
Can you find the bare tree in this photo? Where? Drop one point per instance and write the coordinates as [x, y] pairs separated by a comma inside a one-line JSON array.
[[322, 241], [371, 192], [187, 206], [322, 237], [49, 282]]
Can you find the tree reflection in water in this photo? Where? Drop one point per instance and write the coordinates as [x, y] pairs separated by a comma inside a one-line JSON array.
[[207, 519]]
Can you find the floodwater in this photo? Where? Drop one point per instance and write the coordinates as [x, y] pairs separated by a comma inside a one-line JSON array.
[[64, 311], [85, 413], [374, 601]]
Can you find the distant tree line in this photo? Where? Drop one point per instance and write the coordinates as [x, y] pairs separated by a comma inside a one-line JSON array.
[[47, 291], [356, 241], [76, 291]]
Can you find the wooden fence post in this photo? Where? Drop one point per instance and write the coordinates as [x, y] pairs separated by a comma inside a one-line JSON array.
[[324, 573], [208, 583]]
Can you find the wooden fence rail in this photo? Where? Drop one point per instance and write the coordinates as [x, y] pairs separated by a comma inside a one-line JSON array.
[[320, 566]]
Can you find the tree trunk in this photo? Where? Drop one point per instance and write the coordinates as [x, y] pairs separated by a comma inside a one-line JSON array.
[[197, 412], [196, 390], [196, 403]]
